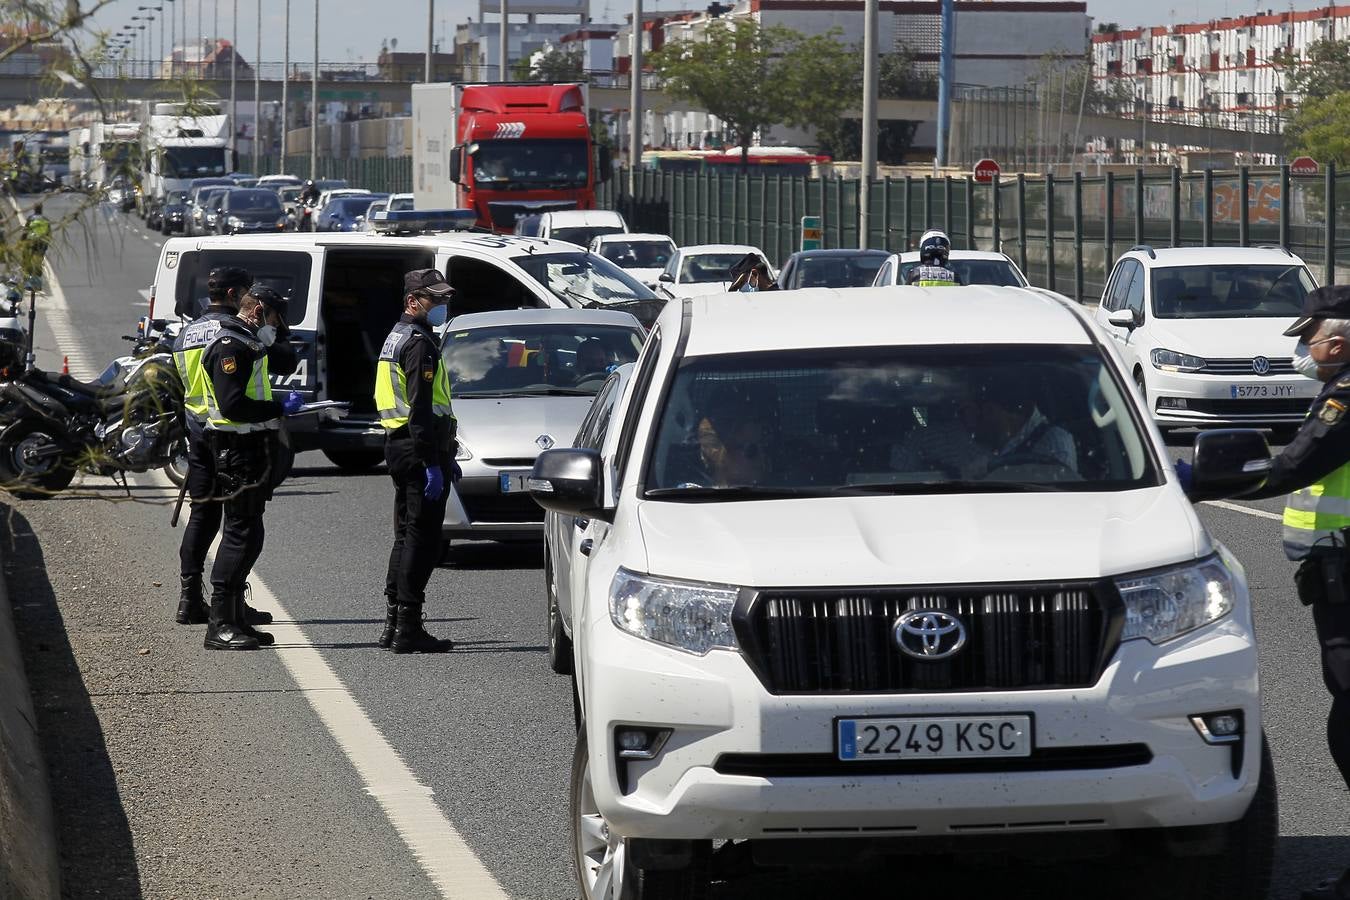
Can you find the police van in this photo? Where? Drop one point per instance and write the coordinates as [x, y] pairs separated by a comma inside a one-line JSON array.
[[346, 292]]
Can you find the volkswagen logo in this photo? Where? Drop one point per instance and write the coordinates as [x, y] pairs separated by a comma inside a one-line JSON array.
[[544, 442], [1261, 366], [929, 634]]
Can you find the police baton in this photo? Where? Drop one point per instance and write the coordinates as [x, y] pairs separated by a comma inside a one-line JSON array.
[[178, 507]]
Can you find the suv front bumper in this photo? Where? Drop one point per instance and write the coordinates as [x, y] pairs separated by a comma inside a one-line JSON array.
[[1178, 398], [724, 723]]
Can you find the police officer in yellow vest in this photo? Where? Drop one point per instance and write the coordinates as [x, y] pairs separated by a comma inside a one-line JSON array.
[[242, 422], [225, 288], [412, 394], [36, 238], [935, 248], [1315, 471]]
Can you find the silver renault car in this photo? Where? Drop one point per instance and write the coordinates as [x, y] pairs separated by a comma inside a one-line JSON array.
[[521, 382]]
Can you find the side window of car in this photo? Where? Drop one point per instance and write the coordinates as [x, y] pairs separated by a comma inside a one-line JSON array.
[[1134, 298], [590, 435], [1109, 294], [481, 286], [884, 274], [1120, 285], [643, 373], [673, 267]]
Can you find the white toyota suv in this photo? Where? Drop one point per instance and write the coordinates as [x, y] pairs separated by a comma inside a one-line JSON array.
[[1199, 329], [906, 574]]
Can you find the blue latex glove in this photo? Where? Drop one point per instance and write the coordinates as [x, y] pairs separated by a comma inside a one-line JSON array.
[[291, 405], [456, 473], [435, 484], [1184, 474]]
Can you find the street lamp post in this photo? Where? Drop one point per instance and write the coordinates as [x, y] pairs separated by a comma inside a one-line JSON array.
[[635, 115], [314, 102], [285, 83], [431, 35], [869, 121], [257, 85], [234, 55], [503, 43], [173, 38]]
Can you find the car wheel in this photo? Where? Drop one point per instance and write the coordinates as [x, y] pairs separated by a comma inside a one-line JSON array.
[[559, 644], [605, 868], [355, 460]]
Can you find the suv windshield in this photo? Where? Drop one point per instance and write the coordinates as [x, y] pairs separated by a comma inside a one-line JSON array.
[[976, 271], [902, 420], [638, 254], [582, 235], [190, 162], [837, 271], [706, 268], [580, 278], [1229, 292], [524, 164], [565, 359], [254, 200]]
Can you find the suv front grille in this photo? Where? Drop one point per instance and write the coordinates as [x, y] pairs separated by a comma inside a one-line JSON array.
[[1279, 365], [1022, 637]]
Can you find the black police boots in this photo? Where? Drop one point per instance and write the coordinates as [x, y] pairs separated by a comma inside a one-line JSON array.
[[1336, 889], [411, 637], [390, 625], [254, 616], [192, 608], [221, 631], [263, 638]]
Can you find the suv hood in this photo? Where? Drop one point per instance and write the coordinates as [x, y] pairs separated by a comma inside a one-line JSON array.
[[1223, 338], [509, 426], [897, 540]]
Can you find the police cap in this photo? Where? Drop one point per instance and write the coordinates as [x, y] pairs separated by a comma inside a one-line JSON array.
[[1330, 302], [223, 277], [270, 299], [426, 281]]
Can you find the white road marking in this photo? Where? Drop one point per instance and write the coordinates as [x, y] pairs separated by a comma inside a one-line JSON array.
[[437, 845], [1251, 511], [57, 313]]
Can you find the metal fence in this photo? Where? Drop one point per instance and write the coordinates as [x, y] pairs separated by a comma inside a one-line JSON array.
[[381, 174], [1064, 232]]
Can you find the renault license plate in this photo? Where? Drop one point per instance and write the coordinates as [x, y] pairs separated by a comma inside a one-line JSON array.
[[1260, 391], [514, 482], [935, 737]]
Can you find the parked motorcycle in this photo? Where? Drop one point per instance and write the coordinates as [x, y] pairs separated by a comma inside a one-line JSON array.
[[128, 420]]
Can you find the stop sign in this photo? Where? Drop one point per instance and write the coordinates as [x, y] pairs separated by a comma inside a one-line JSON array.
[[986, 170], [1304, 165]]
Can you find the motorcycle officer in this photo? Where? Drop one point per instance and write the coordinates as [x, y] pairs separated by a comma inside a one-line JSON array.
[[412, 394], [225, 287], [935, 249], [241, 428]]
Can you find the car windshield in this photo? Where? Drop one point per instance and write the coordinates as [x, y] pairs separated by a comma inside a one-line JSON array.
[[1230, 292], [581, 278], [330, 184], [176, 197], [976, 271], [253, 200], [564, 359], [939, 420], [836, 271], [351, 206], [582, 235], [638, 254], [190, 162], [525, 164], [706, 268], [289, 194], [400, 203]]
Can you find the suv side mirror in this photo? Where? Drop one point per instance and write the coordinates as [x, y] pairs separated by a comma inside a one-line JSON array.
[[571, 482], [1123, 318], [1228, 461], [457, 165], [666, 277]]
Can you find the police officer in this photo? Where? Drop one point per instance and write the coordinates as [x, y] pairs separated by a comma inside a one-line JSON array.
[[935, 249], [412, 394], [225, 288], [242, 421], [1315, 471], [37, 237]]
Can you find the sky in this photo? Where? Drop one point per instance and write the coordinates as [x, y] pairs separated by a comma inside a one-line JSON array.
[[352, 30]]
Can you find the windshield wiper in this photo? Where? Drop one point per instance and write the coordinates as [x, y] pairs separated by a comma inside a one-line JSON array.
[[732, 492], [477, 395], [556, 392], [954, 486]]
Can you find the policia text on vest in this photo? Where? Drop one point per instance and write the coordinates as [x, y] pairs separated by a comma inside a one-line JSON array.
[[412, 394]]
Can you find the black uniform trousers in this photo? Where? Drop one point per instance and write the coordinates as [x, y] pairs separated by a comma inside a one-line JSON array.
[[418, 522], [204, 519], [243, 481], [1333, 633]]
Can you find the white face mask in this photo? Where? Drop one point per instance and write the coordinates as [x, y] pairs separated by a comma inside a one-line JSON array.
[[1304, 364], [267, 335]]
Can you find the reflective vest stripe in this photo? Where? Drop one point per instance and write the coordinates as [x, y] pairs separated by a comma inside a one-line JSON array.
[[188, 352], [936, 284], [1315, 516], [259, 387], [391, 382]]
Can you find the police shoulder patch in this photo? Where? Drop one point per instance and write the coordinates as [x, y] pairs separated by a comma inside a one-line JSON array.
[[1332, 412], [228, 365], [428, 374]]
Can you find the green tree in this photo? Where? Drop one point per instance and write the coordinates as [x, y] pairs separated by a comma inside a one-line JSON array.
[[554, 66], [1321, 129], [1324, 72], [898, 77]]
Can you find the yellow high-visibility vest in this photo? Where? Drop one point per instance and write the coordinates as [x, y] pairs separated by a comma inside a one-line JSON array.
[[391, 382]]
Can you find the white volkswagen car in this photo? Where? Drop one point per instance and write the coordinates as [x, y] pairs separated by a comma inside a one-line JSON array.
[[521, 382], [971, 266], [704, 269], [901, 576], [1200, 329], [643, 256]]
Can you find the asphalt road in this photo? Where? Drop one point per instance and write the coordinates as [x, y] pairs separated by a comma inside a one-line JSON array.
[[183, 773]]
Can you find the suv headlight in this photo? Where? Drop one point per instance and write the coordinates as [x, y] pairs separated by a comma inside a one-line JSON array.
[[1172, 361], [688, 616], [1163, 605]]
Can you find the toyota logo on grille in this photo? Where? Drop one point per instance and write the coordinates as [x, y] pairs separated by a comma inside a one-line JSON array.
[[929, 634], [1261, 366]]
